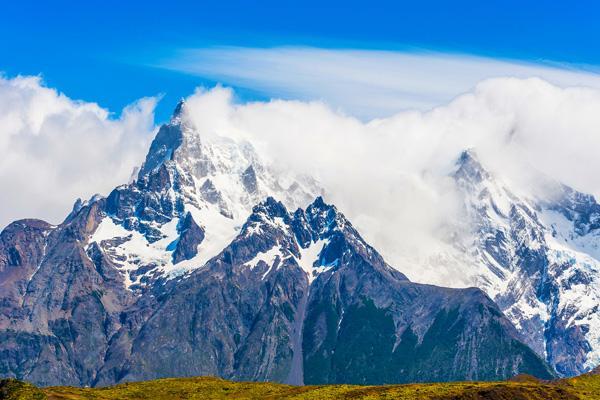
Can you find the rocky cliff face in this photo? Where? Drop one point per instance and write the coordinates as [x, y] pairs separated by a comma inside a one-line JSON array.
[[61, 304], [188, 270]]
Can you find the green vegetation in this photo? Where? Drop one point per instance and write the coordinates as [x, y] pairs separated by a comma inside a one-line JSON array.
[[365, 345], [12, 389], [204, 388], [362, 347], [317, 355]]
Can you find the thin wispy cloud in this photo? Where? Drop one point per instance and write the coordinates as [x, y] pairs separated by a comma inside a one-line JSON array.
[[363, 83]]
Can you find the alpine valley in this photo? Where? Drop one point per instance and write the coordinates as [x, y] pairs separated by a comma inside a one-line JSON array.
[[213, 262]]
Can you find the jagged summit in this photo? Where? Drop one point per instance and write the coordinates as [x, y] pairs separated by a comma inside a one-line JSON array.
[[190, 184], [469, 169], [467, 156], [319, 239], [180, 109], [179, 132], [230, 169]]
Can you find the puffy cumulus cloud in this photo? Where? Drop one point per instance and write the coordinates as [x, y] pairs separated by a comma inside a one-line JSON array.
[[390, 176], [55, 149]]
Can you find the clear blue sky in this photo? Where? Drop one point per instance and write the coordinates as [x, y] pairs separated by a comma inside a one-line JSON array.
[[100, 51]]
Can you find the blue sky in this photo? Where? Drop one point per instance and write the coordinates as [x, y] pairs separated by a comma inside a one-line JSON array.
[[116, 52]]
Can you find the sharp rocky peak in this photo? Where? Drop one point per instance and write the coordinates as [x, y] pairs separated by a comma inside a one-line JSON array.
[[179, 110], [268, 211], [168, 140], [470, 169], [236, 172], [320, 227], [213, 181], [319, 218], [535, 252]]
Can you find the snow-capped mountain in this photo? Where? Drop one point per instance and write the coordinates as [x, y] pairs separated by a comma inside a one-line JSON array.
[[194, 268], [535, 255], [190, 198]]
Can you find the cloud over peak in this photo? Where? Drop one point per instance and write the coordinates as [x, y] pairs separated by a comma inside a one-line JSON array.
[[391, 175]]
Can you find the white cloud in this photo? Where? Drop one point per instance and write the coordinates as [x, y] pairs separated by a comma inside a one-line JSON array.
[[55, 149], [363, 83], [390, 175]]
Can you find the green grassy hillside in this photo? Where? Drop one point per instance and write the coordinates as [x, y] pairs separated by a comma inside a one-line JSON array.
[[203, 388]]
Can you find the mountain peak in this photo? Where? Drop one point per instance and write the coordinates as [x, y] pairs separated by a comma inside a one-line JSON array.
[[469, 157], [162, 148], [179, 108], [469, 168], [180, 119], [180, 114], [319, 202], [271, 207], [232, 165], [171, 137]]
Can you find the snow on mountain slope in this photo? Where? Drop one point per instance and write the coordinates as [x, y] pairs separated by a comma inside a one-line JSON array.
[[536, 255], [308, 257], [211, 180], [576, 269]]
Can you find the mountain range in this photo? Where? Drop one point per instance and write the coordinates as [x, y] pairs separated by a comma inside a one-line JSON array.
[[213, 262]]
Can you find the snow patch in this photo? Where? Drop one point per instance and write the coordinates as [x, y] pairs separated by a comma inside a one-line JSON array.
[[132, 251], [309, 256], [269, 257]]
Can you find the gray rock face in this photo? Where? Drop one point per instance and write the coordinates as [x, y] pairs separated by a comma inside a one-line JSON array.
[[64, 308], [148, 202], [249, 180], [210, 193], [22, 251], [190, 237]]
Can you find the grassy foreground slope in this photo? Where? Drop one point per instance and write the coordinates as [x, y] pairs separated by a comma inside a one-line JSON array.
[[202, 388]]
